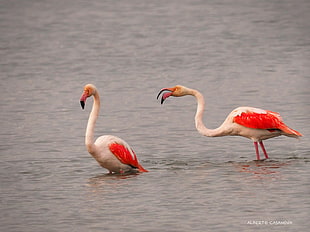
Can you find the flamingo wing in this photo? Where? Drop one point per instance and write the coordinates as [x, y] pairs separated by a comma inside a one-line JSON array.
[[126, 155], [263, 119]]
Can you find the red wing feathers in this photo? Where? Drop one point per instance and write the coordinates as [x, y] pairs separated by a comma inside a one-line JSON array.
[[125, 156], [268, 120]]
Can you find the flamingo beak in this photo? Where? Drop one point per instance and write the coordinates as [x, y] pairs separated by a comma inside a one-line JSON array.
[[165, 95], [83, 99]]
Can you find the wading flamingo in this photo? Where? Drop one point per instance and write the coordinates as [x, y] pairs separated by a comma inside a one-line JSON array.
[[252, 123], [109, 151]]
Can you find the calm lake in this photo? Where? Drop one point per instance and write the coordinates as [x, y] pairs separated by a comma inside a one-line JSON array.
[[236, 53]]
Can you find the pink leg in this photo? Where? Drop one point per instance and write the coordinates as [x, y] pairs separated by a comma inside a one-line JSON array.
[[256, 150], [264, 150]]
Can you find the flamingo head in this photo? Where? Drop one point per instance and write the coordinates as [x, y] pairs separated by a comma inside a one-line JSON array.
[[176, 91], [89, 90]]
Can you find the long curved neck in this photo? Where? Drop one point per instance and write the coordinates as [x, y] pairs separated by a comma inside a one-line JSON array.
[[202, 129], [89, 136]]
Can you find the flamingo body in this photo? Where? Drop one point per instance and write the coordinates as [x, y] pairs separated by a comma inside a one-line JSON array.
[[253, 123], [256, 124], [263, 119], [115, 154], [109, 151]]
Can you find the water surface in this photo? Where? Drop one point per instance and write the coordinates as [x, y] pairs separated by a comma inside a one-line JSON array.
[[253, 53]]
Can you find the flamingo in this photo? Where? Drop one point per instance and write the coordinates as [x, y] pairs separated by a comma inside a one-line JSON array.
[[252, 123], [109, 151]]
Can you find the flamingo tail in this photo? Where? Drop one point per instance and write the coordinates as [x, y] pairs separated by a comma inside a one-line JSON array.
[[289, 131], [141, 169]]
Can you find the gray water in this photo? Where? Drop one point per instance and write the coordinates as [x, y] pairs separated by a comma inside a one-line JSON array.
[[254, 53]]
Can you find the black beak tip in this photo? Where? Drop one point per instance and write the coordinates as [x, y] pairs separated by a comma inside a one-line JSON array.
[[82, 104], [162, 98], [158, 95]]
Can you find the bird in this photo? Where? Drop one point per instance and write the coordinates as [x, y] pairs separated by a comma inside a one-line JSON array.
[[109, 151], [250, 122]]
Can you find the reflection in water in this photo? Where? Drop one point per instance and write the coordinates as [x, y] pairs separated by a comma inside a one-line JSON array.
[[101, 191], [99, 182], [261, 169]]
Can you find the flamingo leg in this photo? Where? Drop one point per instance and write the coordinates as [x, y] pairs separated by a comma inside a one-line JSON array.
[[256, 150], [264, 150]]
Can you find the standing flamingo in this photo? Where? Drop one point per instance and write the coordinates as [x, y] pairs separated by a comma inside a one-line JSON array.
[[109, 151], [253, 123]]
